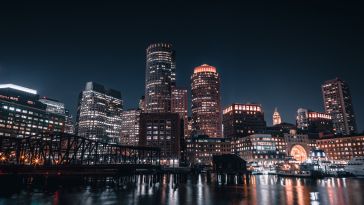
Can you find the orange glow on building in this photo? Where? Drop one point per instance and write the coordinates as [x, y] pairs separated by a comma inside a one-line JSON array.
[[243, 107], [205, 68], [319, 115]]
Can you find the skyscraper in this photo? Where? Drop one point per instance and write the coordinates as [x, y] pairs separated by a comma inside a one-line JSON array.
[[160, 76], [99, 113], [276, 117], [338, 104], [130, 127], [206, 109], [179, 105]]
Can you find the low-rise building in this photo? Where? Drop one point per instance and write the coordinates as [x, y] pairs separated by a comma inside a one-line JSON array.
[[342, 148], [201, 149], [262, 148], [299, 146]]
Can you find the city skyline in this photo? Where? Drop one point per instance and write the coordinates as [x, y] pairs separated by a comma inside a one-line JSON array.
[[286, 66], [181, 102], [267, 113]]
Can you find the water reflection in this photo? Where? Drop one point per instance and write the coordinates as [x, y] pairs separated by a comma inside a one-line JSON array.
[[180, 189]]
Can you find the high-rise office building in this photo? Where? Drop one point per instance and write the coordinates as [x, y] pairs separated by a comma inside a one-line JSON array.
[[130, 127], [179, 105], [22, 115], [309, 121], [99, 113], [338, 104], [241, 120], [276, 117], [160, 76], [206, 109]]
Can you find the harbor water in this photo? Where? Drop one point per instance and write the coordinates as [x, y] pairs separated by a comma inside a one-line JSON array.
[[200, 189]]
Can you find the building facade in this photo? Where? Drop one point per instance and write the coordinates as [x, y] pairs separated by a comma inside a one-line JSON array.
[[241, 120], [206, 106], [99, 113], [23, 115], [342, 148], [201, 149], [160, 77], [264, 149], [163, 130], [130, 127], [313, 122], [69, 126], [56, 107], [142, 104], [179, 104], [338, 104], [298, 145]]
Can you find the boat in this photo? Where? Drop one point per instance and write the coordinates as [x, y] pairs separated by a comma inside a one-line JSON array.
[[355, 166], [294, 173]]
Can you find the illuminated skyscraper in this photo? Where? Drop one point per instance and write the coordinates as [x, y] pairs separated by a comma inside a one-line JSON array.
[[179, 105], [338, 104], [99, 113], [206, 109], [276, 117], [130, 127], [160, 76]]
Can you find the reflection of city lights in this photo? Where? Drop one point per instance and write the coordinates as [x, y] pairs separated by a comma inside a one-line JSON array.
[[36, 161]]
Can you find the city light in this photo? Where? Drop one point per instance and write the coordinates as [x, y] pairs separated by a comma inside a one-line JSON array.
[[17, 87]]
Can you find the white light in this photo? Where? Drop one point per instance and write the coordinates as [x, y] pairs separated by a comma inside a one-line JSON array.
[[17, 87]]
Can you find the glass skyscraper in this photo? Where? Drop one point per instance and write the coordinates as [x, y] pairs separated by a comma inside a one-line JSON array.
[[99, 113], [160, 76]]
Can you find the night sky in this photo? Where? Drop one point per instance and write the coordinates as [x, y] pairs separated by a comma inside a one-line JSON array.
[[274, 54]]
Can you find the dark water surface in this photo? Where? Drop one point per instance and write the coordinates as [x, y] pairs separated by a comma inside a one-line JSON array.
[[176, 189]]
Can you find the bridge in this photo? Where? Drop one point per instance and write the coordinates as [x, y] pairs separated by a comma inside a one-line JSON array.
[[70, 153]]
